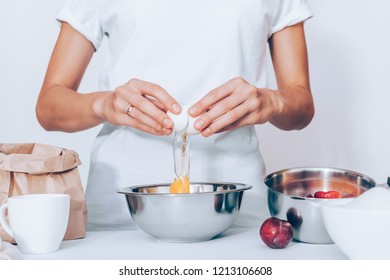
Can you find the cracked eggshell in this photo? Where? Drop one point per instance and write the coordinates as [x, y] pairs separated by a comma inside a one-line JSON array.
[[180, 121], [191, 130]]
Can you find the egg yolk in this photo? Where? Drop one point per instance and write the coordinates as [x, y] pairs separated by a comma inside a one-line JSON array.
[[180, 185]]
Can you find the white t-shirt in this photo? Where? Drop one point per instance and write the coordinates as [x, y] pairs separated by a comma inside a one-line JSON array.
[[188, 47]]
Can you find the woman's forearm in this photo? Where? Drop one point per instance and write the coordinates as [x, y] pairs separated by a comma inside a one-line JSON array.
[[294, 98], [295, 108], [63, 109]]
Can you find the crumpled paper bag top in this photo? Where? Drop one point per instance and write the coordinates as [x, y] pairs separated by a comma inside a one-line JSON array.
[[41, 168], [36, 158]]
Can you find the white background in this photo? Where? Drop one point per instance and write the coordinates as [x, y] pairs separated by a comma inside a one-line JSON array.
[[349, 44]]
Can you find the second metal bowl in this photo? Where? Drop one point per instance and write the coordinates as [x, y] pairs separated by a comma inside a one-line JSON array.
[[288, 192]]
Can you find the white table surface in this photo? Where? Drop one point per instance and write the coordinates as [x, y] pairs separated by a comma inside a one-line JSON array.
[[234, 244]]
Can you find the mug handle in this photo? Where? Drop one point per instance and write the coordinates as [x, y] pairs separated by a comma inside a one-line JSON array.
[[3, 221]]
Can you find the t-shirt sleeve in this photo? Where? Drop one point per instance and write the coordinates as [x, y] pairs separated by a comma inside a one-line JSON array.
[[290, 12], [83, 16]]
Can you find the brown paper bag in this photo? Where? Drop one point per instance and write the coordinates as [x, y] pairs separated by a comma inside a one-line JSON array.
[[39, 168]]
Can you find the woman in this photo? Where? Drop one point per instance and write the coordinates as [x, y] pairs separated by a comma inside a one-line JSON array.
[[161, 55]]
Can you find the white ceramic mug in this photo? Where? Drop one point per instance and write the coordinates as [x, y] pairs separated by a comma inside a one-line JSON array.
[[38, 222]]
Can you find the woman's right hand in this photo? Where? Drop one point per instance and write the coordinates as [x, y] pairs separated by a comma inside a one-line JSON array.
[[139, 104]]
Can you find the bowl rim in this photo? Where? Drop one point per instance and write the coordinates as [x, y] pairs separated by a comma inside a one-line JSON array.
[[314, 167], [130, 190]]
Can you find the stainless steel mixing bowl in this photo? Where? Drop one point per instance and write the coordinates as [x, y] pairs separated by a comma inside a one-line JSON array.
[[287, 197], [209, 210]]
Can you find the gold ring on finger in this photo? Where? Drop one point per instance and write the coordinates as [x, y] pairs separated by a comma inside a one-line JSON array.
[[129, 110]]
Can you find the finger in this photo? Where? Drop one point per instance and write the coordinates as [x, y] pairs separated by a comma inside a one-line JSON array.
[[120, 104], [126, 97], [218, 110], [248, 119], [147, 107], [132, 122], [215, 96], [157, 103], [152, 97], [241, 122], [148, 121], [235, 117], [156, 91]]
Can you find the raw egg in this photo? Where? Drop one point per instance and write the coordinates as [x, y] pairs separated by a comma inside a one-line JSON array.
[[183, 127], [180, 185]]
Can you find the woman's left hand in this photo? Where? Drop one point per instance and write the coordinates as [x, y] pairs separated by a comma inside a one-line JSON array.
[[238, 103], [231, 105]]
